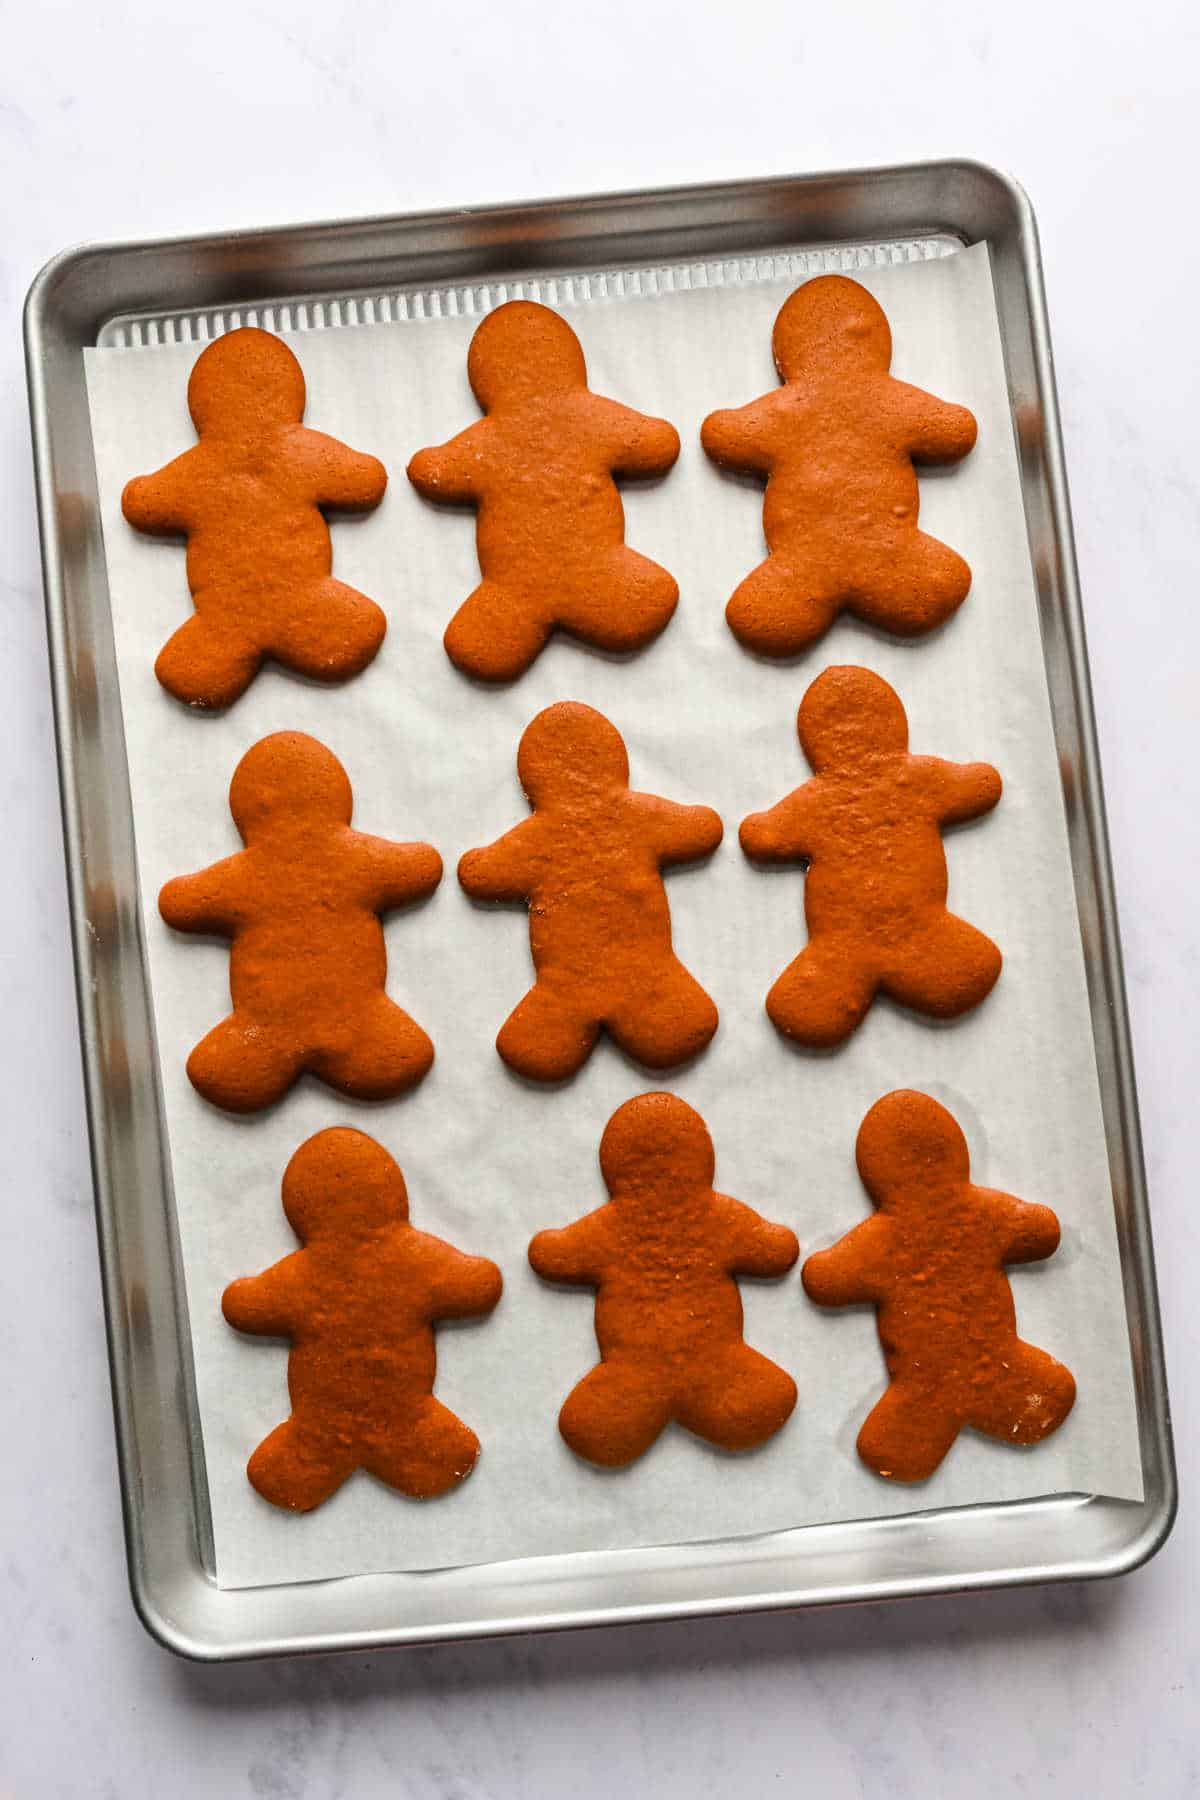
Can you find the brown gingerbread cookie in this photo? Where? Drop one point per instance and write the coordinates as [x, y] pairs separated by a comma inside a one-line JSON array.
[[308, 964], [248, 498], [931, 1260], [359, 1303], [663, 1255], [836, 444], [551, 529], [588, 862], [868, 827]]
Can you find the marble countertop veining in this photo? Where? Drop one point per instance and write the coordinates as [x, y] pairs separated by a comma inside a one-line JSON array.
[[124, 121]]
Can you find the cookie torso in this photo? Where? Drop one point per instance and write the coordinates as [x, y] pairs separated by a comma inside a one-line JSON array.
[[839, 475], [665, 1294], [598, 910], [365, 1350], [877, 853], [947, 1306], [257, 528], [548, 502], [310, 941]]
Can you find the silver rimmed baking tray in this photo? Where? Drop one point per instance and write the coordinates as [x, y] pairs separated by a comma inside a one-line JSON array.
[[350, 270]]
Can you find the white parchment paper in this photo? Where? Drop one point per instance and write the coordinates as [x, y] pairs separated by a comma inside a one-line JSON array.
[[489, 1159]]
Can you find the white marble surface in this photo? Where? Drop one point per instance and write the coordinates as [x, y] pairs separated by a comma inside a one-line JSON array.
[[1095, 109]]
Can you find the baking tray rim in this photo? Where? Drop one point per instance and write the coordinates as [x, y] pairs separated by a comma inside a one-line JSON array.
[[72, 256], [1154, 1517]]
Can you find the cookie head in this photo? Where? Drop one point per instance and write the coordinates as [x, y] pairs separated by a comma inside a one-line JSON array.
[[288, 776], [909, 1148], [522, 351], [654, 1147], [831, 320], [342, 1183], [245, 381], [570, 750], [847, 715]]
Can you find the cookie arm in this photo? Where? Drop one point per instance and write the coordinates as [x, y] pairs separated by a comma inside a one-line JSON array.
[[160, 504], [451, 471], [460, 1286], [783, 833], [343, 478], [935, 431], [639, 444], [576, 1253], [207, 901], [504, 870], [270, 1304], [679, 833], [396, 874], [850, 1269], [743, 437], [1030, 1232], [753, 1246], [961, 791]]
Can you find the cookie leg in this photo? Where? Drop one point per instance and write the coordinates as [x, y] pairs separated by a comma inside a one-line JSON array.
[[666, 1022], [387, 1053], [906, 1434], [913, 590], [208, 662], [779, 610], [627, 605], [328, 631], [740, 1399], [299, 1465], [945, 970], [544, 1038], [430, 1452], [613, 1415], [1030, 1398], [495, 634], [823, 995], [243, 1066]]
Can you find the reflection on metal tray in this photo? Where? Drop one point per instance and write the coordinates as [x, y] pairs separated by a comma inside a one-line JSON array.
[[322, 277], [142, 331]]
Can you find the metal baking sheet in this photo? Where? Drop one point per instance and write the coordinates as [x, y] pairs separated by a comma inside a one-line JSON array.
[[323, 276], [488, 1158]]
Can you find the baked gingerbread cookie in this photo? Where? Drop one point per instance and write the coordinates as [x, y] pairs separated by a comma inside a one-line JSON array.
[[588, 862], [931, 1260], [359, 1302], [248, 497], [868, 827], [540, 470], [308, 964], [836, 445], [663, 1255]]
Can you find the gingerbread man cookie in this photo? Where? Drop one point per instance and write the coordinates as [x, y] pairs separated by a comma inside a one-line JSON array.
[[931, 1260], [663, 1255], [308, 964], [248, 498], [359, 1303], [868, 826], [551, 529], [588, 863], [836, 444]]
